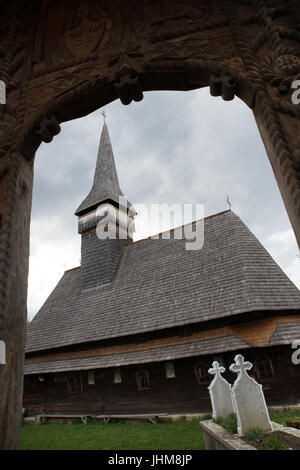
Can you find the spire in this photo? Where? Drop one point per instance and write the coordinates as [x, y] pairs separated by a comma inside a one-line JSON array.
[[106, 183], [104, 222]]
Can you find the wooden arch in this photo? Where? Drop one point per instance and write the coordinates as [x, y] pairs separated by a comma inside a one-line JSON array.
[[62, 59]]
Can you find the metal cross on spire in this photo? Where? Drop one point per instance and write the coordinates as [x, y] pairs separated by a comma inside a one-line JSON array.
[[103, 114]]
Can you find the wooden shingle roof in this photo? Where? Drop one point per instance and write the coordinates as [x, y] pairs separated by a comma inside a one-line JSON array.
[[159, 284], [166, 353]]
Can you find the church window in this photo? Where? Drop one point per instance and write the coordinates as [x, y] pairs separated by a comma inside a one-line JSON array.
[[117, 376], [74, 383], [91, 377], [170, 371], [201, 372], [142, 380], [263, 368]]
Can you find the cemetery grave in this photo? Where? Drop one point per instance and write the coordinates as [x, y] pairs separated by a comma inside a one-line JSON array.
[[240, 415]]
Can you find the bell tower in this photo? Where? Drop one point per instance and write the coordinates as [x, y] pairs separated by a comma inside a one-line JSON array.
[[105, 220]]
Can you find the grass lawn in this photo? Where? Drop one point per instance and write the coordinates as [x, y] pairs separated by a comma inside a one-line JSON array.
[[282, 416], [120, 435], [112, 436]]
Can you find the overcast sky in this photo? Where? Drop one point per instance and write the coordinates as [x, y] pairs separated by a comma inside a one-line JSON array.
[[172, 147]]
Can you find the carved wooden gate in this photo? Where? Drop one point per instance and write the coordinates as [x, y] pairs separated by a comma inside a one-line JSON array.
[[62, 59]]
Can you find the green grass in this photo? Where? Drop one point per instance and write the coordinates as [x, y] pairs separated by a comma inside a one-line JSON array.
[[265, 441], [112, 436], [284, 415], [120, 435], [273, 442], [254, 434]]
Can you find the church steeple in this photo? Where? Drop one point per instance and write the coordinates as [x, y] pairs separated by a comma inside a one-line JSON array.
[[105, 220], [106, 187]]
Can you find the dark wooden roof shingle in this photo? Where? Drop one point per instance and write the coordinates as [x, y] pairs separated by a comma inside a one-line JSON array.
[[166, 353]]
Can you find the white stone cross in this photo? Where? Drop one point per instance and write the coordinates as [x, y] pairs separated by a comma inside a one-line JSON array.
[[248, 399], [216, 369], [103, 114], [240, 365], [220, 393]]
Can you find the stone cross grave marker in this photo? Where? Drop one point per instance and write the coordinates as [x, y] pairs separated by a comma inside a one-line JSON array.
[[220, 393], [248, 399]]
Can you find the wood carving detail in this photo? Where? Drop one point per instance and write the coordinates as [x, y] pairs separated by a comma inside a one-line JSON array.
[[48, 128]]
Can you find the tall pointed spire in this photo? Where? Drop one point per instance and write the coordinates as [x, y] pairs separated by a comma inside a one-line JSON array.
[[106, 185], [105, 222]]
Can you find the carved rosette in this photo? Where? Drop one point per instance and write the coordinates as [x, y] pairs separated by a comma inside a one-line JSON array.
[[281, 67]]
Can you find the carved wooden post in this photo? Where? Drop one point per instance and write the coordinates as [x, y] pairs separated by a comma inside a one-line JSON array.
[[16, 176], [281, 136], [271, 57]]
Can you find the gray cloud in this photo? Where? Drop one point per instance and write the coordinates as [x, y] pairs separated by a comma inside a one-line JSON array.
[[173, 147]]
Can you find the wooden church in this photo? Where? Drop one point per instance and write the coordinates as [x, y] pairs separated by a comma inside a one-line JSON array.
[[134, 329]]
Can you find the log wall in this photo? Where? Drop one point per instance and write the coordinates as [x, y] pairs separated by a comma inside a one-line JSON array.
[[181, 394]]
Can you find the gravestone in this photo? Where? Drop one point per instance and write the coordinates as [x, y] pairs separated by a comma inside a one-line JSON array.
[[220, 393], [248, 399]]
